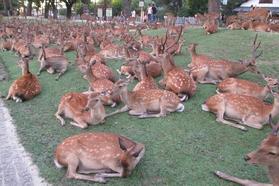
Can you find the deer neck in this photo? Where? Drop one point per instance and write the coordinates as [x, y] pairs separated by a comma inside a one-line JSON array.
[[125, 96], [238, 68], [90, 76], [273, 172], [98, 112], [265, 91], [167, 65], [25, 68], [275, 108]]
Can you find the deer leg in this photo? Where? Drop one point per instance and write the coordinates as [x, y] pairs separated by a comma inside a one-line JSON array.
[[79, 123], [8, 96], [238, 180], [58, 115], [220, 118], [60, 74], [93, 171], [73, 163], [251, 122], [123, 109]]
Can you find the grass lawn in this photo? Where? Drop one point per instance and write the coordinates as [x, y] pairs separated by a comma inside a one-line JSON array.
[[181, 149]]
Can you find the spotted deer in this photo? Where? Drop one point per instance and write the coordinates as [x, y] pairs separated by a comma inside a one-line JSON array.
[[266, 155], [106, 155], [146, 81], [176, 79], [215, 71], [197, 59], [101, 85], [245, 87], [25, 87], [147, 103], [245, 110], [210, 26], [83, 108]]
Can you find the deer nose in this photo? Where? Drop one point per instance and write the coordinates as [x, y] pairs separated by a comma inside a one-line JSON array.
[[247, 158]]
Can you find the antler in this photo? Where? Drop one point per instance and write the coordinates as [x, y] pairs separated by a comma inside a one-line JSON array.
[[255, 48], [180, 33]]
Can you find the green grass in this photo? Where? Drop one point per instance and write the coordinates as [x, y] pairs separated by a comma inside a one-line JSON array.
[[181, 149]]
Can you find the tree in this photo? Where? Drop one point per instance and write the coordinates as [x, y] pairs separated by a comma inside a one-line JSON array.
[[29, 7], [127, 8], [69, 4], [195, 6], [214, 6]]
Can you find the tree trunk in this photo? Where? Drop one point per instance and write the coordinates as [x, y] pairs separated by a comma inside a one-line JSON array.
[[5, 7], [46, 9], [213, 6], [127, 8], [54, 9], [10, 7], [69, 11], [29, 7]]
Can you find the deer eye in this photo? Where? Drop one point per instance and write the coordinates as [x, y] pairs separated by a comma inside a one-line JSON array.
[[272, 153]]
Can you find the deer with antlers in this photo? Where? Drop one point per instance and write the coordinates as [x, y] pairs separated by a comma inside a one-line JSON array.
[[26, 87], [245, 110], [106, 155], [245, 87], [147, 103], [266, 155], [84, 108], [215, 71]]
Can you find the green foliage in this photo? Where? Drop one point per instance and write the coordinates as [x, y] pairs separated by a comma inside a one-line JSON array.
[[195, 6], [78, 7], [117, 7], [181, 148]]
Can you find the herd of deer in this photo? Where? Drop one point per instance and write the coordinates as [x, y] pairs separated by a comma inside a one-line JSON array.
[[257, 19], [238, 102]]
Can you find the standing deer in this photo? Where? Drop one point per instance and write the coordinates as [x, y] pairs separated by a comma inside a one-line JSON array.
[[266, 155], [147, 103], [245, 110], [215, 71], [26, 87], [106, 155], [245, 87], [83, 108]]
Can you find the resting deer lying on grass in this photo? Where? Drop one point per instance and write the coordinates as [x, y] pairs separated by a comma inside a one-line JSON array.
[[197, 59], [53, 64], [146, 81], [210, 26], [215, 71], [147, 102], [106, 155], [176, 79], [50, 52], [83, 108], [245, 110], [101, 85], [26, 87], [266, 155], [244, 87]]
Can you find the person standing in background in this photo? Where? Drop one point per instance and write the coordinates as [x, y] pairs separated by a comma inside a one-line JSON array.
[[149, 13], [154, 12]]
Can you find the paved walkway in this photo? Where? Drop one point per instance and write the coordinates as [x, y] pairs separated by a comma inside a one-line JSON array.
[[16, 168]]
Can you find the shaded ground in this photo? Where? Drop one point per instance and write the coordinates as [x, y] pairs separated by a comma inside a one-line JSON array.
[[181, 149]]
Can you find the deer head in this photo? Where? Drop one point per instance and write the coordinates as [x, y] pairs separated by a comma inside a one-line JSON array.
[[268, 152], [93, 100]]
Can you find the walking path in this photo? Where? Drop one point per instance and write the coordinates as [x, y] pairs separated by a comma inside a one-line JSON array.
[[16, 167]]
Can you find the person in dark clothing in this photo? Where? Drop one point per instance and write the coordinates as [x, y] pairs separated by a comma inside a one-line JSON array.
[[154, 12]]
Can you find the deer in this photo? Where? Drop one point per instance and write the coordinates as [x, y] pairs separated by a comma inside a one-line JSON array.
[[101, 85], [215, 71], [197, 59], [53, 64], [146, 81], [176, 79], [146, 103], [25, 87], [266, 155], [210, 26], [106, 155], [84, 108], [145, 40], [50, 52], [245, 87], [245, 110], [234, 26]]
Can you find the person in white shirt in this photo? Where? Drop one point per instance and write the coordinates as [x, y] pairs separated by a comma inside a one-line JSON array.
[[149, 13]]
